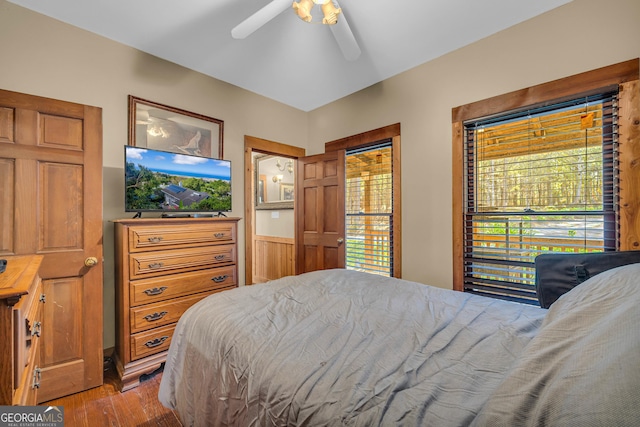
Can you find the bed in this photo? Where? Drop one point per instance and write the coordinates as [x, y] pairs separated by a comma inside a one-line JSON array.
[[340, 347]]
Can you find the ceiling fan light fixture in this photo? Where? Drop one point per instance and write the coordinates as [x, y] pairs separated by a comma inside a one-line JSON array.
[[303, 9], [329, 10]]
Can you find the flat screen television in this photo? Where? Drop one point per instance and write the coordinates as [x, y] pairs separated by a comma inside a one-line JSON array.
[[171, 183]]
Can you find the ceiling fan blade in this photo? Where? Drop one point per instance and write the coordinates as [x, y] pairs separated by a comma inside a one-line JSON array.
[[261, 17], [345, 38]]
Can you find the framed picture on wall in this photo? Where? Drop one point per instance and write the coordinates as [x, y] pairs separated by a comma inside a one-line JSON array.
[[286, 191], [161, 127]]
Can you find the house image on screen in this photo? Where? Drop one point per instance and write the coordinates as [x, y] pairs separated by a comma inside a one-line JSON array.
[[176, 196]]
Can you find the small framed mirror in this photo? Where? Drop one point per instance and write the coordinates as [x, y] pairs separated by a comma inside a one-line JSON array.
[[274, 182]]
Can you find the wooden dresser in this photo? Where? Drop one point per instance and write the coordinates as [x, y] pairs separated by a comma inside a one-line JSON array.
[[163, 267], [21, 300]]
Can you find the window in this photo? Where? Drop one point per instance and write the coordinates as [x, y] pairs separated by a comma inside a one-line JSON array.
[[538, 180], [481, 206], [373, 214], [369, 209]]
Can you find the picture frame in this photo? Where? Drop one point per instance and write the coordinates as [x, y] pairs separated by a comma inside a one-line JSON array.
[[286, 191], [161, 127]]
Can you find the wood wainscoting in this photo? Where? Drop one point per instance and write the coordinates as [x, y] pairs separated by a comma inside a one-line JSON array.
[[274, 258]]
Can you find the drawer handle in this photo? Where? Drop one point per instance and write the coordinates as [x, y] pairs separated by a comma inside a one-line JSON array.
[[37, 376], [218, 235], [155, 316], [156, 342], [219, 257], [43, 298], [155, 239], [36, 329], [219, 279], [156, 265], [155, 291]]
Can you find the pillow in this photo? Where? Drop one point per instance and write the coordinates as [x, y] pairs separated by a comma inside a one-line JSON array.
[[583, 366], [557, 274]]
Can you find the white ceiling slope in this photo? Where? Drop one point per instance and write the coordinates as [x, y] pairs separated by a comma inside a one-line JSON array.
[[288, 60]]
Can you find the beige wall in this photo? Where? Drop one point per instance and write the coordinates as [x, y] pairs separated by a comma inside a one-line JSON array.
[[275, 223], [44, 57], [580, 36]]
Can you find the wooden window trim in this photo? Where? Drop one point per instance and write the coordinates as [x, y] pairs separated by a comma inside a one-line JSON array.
[[371, 138], [627, 76]]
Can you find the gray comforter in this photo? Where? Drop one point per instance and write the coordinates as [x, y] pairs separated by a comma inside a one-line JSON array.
[[339, 347]]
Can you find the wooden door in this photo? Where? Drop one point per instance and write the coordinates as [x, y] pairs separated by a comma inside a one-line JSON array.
[[320, 212], [51, 204]]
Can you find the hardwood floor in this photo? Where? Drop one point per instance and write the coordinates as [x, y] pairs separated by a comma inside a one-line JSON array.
[[106, 406]]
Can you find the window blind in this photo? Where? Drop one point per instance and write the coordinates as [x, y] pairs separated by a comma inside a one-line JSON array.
[[537, 181], [369, 209]]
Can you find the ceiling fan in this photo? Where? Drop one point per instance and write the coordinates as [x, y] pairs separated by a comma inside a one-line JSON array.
[[332, 16]]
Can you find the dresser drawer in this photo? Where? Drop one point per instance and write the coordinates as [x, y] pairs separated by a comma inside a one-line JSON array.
[[151, 342], [27, 331], [31, 304], [151, 264], [145, 238], [162, 313], [145, 291], [27, 390]]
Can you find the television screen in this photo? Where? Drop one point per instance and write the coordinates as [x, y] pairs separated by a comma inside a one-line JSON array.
[[161, 181]]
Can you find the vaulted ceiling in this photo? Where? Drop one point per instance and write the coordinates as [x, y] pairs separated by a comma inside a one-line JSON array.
[[288, 60]]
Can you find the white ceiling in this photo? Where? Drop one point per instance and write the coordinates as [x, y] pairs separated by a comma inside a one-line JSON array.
[[288, 60]]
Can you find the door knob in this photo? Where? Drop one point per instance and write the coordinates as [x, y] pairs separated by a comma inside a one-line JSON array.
[[340, 240], [91, 261]]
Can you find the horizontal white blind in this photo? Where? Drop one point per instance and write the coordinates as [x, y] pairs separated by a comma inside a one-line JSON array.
[[538, 181], [369, 209]]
